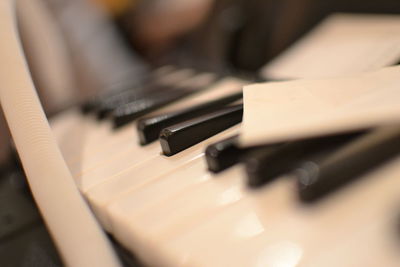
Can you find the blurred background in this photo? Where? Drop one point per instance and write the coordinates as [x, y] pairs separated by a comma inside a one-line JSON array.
[[76, 48]]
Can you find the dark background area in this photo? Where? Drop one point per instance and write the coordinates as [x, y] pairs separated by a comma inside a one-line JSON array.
[[243, 35]]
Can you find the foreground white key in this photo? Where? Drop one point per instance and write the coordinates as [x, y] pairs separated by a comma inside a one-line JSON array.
[[104, 193]]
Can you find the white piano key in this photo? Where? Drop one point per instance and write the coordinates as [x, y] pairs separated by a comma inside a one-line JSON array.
[[182, 211], [118, 142], [179, 206], [158, 191], [140, 199], [102, 194], [116, 164]]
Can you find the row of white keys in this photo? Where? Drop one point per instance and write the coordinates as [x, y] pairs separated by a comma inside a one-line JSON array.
[[103, 194], [269, 227], [117, 163], [134, 220], [141, 226]]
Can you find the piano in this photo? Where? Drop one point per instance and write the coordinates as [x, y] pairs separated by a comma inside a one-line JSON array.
[[172, 211], [186, 199]]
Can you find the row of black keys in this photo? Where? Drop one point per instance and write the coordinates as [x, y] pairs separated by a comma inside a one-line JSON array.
[[131, 102], [321, 164], [175, 129]]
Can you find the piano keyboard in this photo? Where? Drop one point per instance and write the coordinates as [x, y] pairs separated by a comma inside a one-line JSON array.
[[173, 211]]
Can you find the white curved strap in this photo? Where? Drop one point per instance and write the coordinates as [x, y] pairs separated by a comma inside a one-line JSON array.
[[77, 235]]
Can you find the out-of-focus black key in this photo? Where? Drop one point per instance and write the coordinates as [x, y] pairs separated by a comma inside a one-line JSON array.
[[267, 164], [107, 106], [258, 165], [108, 103], [183, 135], [149, 128], [123, 88], [226, 153], [131, 111], [223, 154], [119, 90], [317, 178], [96, 102]]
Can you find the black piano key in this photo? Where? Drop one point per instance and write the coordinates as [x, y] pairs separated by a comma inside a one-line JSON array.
[[259, 166], [108, 103], [267, 164], [133, 110], [118, 92], [149, 128], [94, 103], [107, 106], [317, 178], [226, 153], [183, 135], [91, 104], [223, 154], [103, 98]]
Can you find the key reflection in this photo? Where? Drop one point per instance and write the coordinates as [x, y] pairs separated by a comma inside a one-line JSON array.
[[230, 195], [249, 226], [282, 254]]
